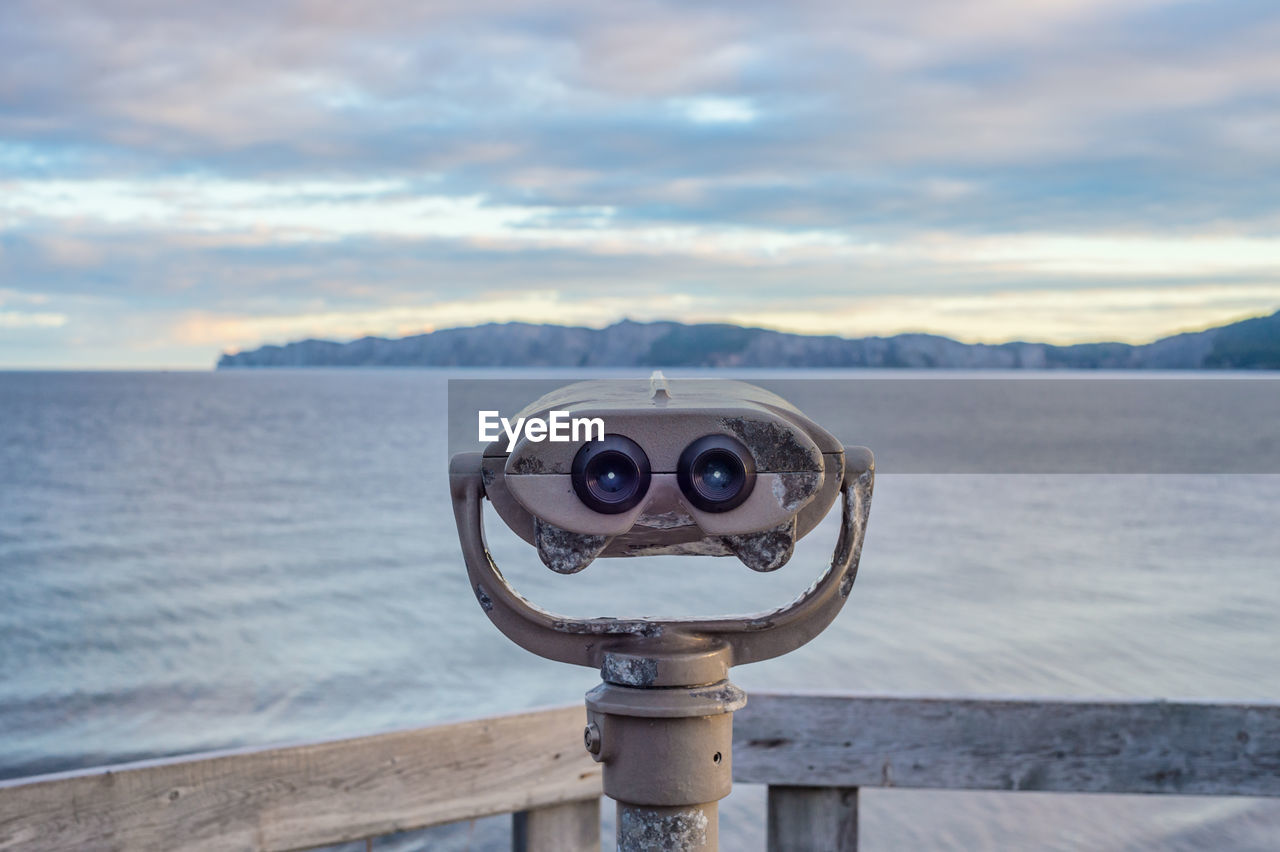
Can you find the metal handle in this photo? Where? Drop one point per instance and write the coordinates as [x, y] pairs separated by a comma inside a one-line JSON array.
[[669, 652]]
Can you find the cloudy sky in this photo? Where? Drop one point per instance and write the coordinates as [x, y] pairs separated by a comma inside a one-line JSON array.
[[178, 179]]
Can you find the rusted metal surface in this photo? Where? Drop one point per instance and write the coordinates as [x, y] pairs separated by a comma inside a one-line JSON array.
[[856, 511], [482, 597], [793, 490], [690, 828], [697, 665], [767, 550], [630, 670], [565, 552], [775, 446]]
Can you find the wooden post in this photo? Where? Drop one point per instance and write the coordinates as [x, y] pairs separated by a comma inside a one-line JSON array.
[[813, 819], [570, 827]]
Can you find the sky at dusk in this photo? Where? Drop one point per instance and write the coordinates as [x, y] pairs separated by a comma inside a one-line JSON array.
[[180, 179]]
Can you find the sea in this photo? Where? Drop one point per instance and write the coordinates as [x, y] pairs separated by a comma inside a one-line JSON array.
[[201, 560]]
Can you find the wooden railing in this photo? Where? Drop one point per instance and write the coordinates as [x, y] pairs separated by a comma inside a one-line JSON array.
[[814, 752]]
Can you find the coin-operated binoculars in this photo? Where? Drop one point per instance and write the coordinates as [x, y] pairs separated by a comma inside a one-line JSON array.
[[691, 466]]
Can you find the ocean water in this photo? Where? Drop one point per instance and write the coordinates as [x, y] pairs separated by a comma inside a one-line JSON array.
[[192, 561]]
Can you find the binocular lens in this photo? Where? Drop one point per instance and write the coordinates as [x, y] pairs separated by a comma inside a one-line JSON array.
[[716, 473], [612, 475], [719, 475]]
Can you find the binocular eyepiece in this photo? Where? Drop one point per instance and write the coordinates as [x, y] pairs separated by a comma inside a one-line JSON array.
[[716, 473], [611, 475]]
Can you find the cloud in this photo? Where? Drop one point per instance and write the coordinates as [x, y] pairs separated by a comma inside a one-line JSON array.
[[1127, 314], [1113, 255], [211, 171], [20, 319], [240, 213], [303, 212], [536, 306], [714, 110]]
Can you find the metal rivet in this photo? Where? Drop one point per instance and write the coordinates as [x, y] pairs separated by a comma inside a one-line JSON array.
[[716, 760], [591, 738]]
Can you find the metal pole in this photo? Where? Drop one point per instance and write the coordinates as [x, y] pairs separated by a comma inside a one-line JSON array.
[[667, 752]]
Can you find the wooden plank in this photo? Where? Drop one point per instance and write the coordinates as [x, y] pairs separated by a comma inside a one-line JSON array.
[[813, 819], [309, 795], [571, 827], [995, 744], [325, 793]]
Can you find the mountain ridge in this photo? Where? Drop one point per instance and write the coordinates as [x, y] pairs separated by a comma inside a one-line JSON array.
[[1249, 343]]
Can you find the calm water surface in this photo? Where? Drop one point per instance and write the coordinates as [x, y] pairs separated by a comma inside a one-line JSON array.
[[199, 560]]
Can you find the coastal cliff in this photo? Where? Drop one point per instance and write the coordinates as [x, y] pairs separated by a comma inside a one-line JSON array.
[[1252, 343]]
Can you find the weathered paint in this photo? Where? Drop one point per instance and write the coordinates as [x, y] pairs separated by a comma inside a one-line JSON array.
[[764, 551], [857, 510], [629, 671], [699, 547], [665, 520], [563, 551], [528, 464], [608, 627], [730, 695], [774, 446], [792, 490], [662, 829]]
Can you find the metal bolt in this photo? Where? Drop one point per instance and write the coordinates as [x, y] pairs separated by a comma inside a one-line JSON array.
[[591, 738]]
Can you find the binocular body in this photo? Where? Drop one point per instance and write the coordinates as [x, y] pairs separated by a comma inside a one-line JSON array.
[[708, 467]]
